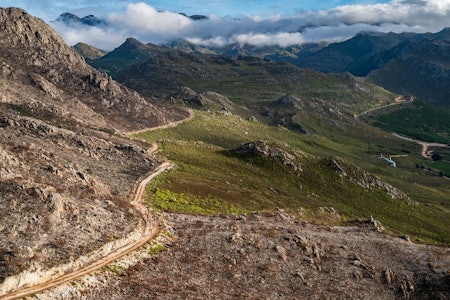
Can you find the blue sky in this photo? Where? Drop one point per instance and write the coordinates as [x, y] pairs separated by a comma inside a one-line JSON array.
[[253, 22], [49, 10]]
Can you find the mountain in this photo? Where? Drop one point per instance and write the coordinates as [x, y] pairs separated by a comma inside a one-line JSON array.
[[160, 71], [405, 63], [71, 19], [416, 68], [353, 54], [188, 47], [89, 52], [66, 169], [39, 56], [68, 173], [195, 17], [130, 52]]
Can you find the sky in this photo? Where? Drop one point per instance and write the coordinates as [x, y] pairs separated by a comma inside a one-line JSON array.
[[254, 22]]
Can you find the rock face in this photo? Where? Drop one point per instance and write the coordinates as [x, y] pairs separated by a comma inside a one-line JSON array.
[[365, 180], [32, 52], [208, 101], [64, 193], [265, 149]]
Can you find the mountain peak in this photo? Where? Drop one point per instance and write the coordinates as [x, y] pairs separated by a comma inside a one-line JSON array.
[[31, 42], [132, 42], [36, 54], [71, 19], [89, 52]]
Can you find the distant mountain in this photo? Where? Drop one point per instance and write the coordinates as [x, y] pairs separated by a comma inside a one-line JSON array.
[[251, 84], [406, 63], [71, 19], [195, 17], [353, 55], [418, 68], [188, 47], [89, 52], [129, 53]]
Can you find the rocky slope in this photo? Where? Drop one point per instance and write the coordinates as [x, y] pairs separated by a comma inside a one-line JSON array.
[[65, 178], [89, 52], [272, 257], [32, 54]]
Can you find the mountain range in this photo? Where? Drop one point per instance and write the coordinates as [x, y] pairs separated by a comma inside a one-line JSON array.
[[395, 61]]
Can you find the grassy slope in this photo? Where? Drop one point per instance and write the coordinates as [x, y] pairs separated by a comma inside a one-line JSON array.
[[420, 121], [209, 181]]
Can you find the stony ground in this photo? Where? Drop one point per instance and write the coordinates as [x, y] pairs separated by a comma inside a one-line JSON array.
[[277, 257]]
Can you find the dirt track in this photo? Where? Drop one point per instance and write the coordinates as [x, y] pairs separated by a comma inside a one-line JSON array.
[[150, 231], [169, 125], [425, 145]]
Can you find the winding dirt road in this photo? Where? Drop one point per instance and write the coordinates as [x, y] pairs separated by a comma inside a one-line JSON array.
[[399, 102], [425, 145], [150, 231], [169, 125]]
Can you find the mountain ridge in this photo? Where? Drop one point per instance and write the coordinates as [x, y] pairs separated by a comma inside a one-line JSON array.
[[34, 52], [66, 168]]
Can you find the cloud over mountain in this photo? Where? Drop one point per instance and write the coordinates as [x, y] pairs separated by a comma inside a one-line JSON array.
[[147, 24]]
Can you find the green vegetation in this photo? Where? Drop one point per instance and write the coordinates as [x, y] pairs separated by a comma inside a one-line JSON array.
[[423, 122], [156, 247], [419, 120], [115, 269], [209, 180], [440, 162]]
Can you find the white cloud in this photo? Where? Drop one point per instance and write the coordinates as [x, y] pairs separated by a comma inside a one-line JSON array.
[[148, 25]]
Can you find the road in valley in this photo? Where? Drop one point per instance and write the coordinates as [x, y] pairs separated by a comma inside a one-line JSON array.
[[425, 145], [399, 102]]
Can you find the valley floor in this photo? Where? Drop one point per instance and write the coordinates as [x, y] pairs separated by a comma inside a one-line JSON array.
[[273, 257]]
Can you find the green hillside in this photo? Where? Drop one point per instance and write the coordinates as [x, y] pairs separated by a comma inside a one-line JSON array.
[[209, 179], [419, 120], [306, 115]]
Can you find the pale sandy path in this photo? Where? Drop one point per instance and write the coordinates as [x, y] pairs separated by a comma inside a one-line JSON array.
[[425, 145], [358, 116], [150, 231], [168, 125]]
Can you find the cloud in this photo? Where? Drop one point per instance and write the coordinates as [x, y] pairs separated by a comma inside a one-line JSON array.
[[148, 25]]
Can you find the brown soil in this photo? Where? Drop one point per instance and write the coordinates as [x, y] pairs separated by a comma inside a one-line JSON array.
[[280, 257]]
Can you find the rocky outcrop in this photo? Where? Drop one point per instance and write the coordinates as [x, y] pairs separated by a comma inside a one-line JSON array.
[[366, 180], [208, 101], [268, 150]]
